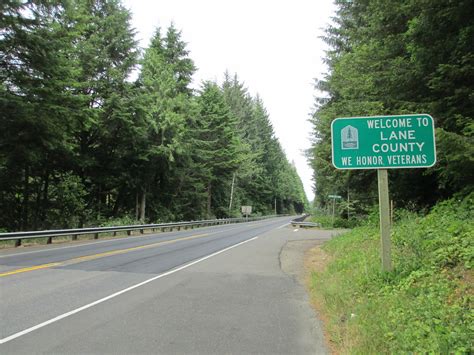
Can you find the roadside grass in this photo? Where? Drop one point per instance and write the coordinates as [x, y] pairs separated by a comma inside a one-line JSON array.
[[423, 306]]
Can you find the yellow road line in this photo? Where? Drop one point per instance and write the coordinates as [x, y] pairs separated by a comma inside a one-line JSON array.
[[100, 255], [26, 269]]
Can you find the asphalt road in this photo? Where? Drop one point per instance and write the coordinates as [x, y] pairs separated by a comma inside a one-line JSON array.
[[210, 290]]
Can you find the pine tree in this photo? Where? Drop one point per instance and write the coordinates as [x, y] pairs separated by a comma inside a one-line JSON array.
[[217, 147]]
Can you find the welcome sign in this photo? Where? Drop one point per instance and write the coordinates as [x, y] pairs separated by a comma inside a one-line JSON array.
[[383, 142]]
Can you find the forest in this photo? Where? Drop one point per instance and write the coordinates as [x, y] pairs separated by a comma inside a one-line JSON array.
[[95, 130], [395, 58]]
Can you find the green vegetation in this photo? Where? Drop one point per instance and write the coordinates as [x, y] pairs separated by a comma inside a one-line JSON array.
[[424, 306], [391, 58], [82, 143]]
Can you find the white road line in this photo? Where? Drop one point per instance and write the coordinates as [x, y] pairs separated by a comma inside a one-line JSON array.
[[286, 224], [77, 310]]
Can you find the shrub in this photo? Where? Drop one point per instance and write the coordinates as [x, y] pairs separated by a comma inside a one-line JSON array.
[[424, 305]]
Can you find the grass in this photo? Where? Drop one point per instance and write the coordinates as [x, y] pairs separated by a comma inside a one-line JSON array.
[[423, 306]]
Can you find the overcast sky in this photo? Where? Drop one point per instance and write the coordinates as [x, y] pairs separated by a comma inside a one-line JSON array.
[[273, 46]]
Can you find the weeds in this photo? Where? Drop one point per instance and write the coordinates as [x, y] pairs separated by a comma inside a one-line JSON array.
[[424, 305]]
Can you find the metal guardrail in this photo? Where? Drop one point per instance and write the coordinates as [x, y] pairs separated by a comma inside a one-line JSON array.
[[299, 222], [300, 218], [50, 234], [306, 224]]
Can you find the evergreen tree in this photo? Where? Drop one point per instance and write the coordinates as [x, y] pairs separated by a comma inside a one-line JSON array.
[[80, 143], [217, 147], [397, 58]]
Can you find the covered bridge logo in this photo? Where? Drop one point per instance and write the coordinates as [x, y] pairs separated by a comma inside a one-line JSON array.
[[350, 138]]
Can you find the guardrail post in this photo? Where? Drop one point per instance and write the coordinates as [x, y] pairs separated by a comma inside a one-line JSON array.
[[17, 242], [96, 235], [74, 237], [50, 240], [115, 233], [162, 229], [129, 232], [141, 231]]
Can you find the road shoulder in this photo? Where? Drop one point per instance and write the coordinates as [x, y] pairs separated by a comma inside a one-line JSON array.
[[299, 257]]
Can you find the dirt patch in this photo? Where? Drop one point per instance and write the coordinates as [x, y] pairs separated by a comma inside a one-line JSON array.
[[317, 260], [292, 258], [299, 257]]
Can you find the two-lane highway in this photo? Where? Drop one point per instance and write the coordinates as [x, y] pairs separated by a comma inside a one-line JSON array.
[[141, 294]]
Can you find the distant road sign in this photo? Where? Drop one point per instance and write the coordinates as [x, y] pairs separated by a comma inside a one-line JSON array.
[[334, 196], [246, 210], [383, 142]]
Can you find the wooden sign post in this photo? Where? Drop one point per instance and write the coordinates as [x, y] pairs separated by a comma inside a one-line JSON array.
[[383, 142]]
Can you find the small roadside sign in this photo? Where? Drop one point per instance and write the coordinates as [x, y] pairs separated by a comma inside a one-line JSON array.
[[334, 196], [246, 210], [383, 142]]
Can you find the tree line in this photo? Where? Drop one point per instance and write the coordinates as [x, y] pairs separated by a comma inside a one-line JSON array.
[[392, 58], [81, 143]]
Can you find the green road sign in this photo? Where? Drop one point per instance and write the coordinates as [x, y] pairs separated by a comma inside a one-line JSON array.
[[383, 142]]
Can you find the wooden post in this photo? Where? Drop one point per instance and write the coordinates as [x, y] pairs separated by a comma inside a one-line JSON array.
[[391, 212], [384, 212]]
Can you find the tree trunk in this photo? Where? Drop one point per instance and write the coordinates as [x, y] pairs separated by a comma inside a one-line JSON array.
[[26, 198], [44, 201], [117, 202], [137, 206], [231, 193], [143, 206], [99, 198], [209, 196], [39, 188]]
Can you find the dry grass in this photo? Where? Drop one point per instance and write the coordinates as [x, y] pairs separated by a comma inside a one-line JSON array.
[[317, 260]]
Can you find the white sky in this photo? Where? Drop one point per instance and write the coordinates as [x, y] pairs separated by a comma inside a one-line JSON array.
[[273, 46]]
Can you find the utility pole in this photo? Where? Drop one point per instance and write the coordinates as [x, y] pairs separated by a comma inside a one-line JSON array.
[[231, 192]]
